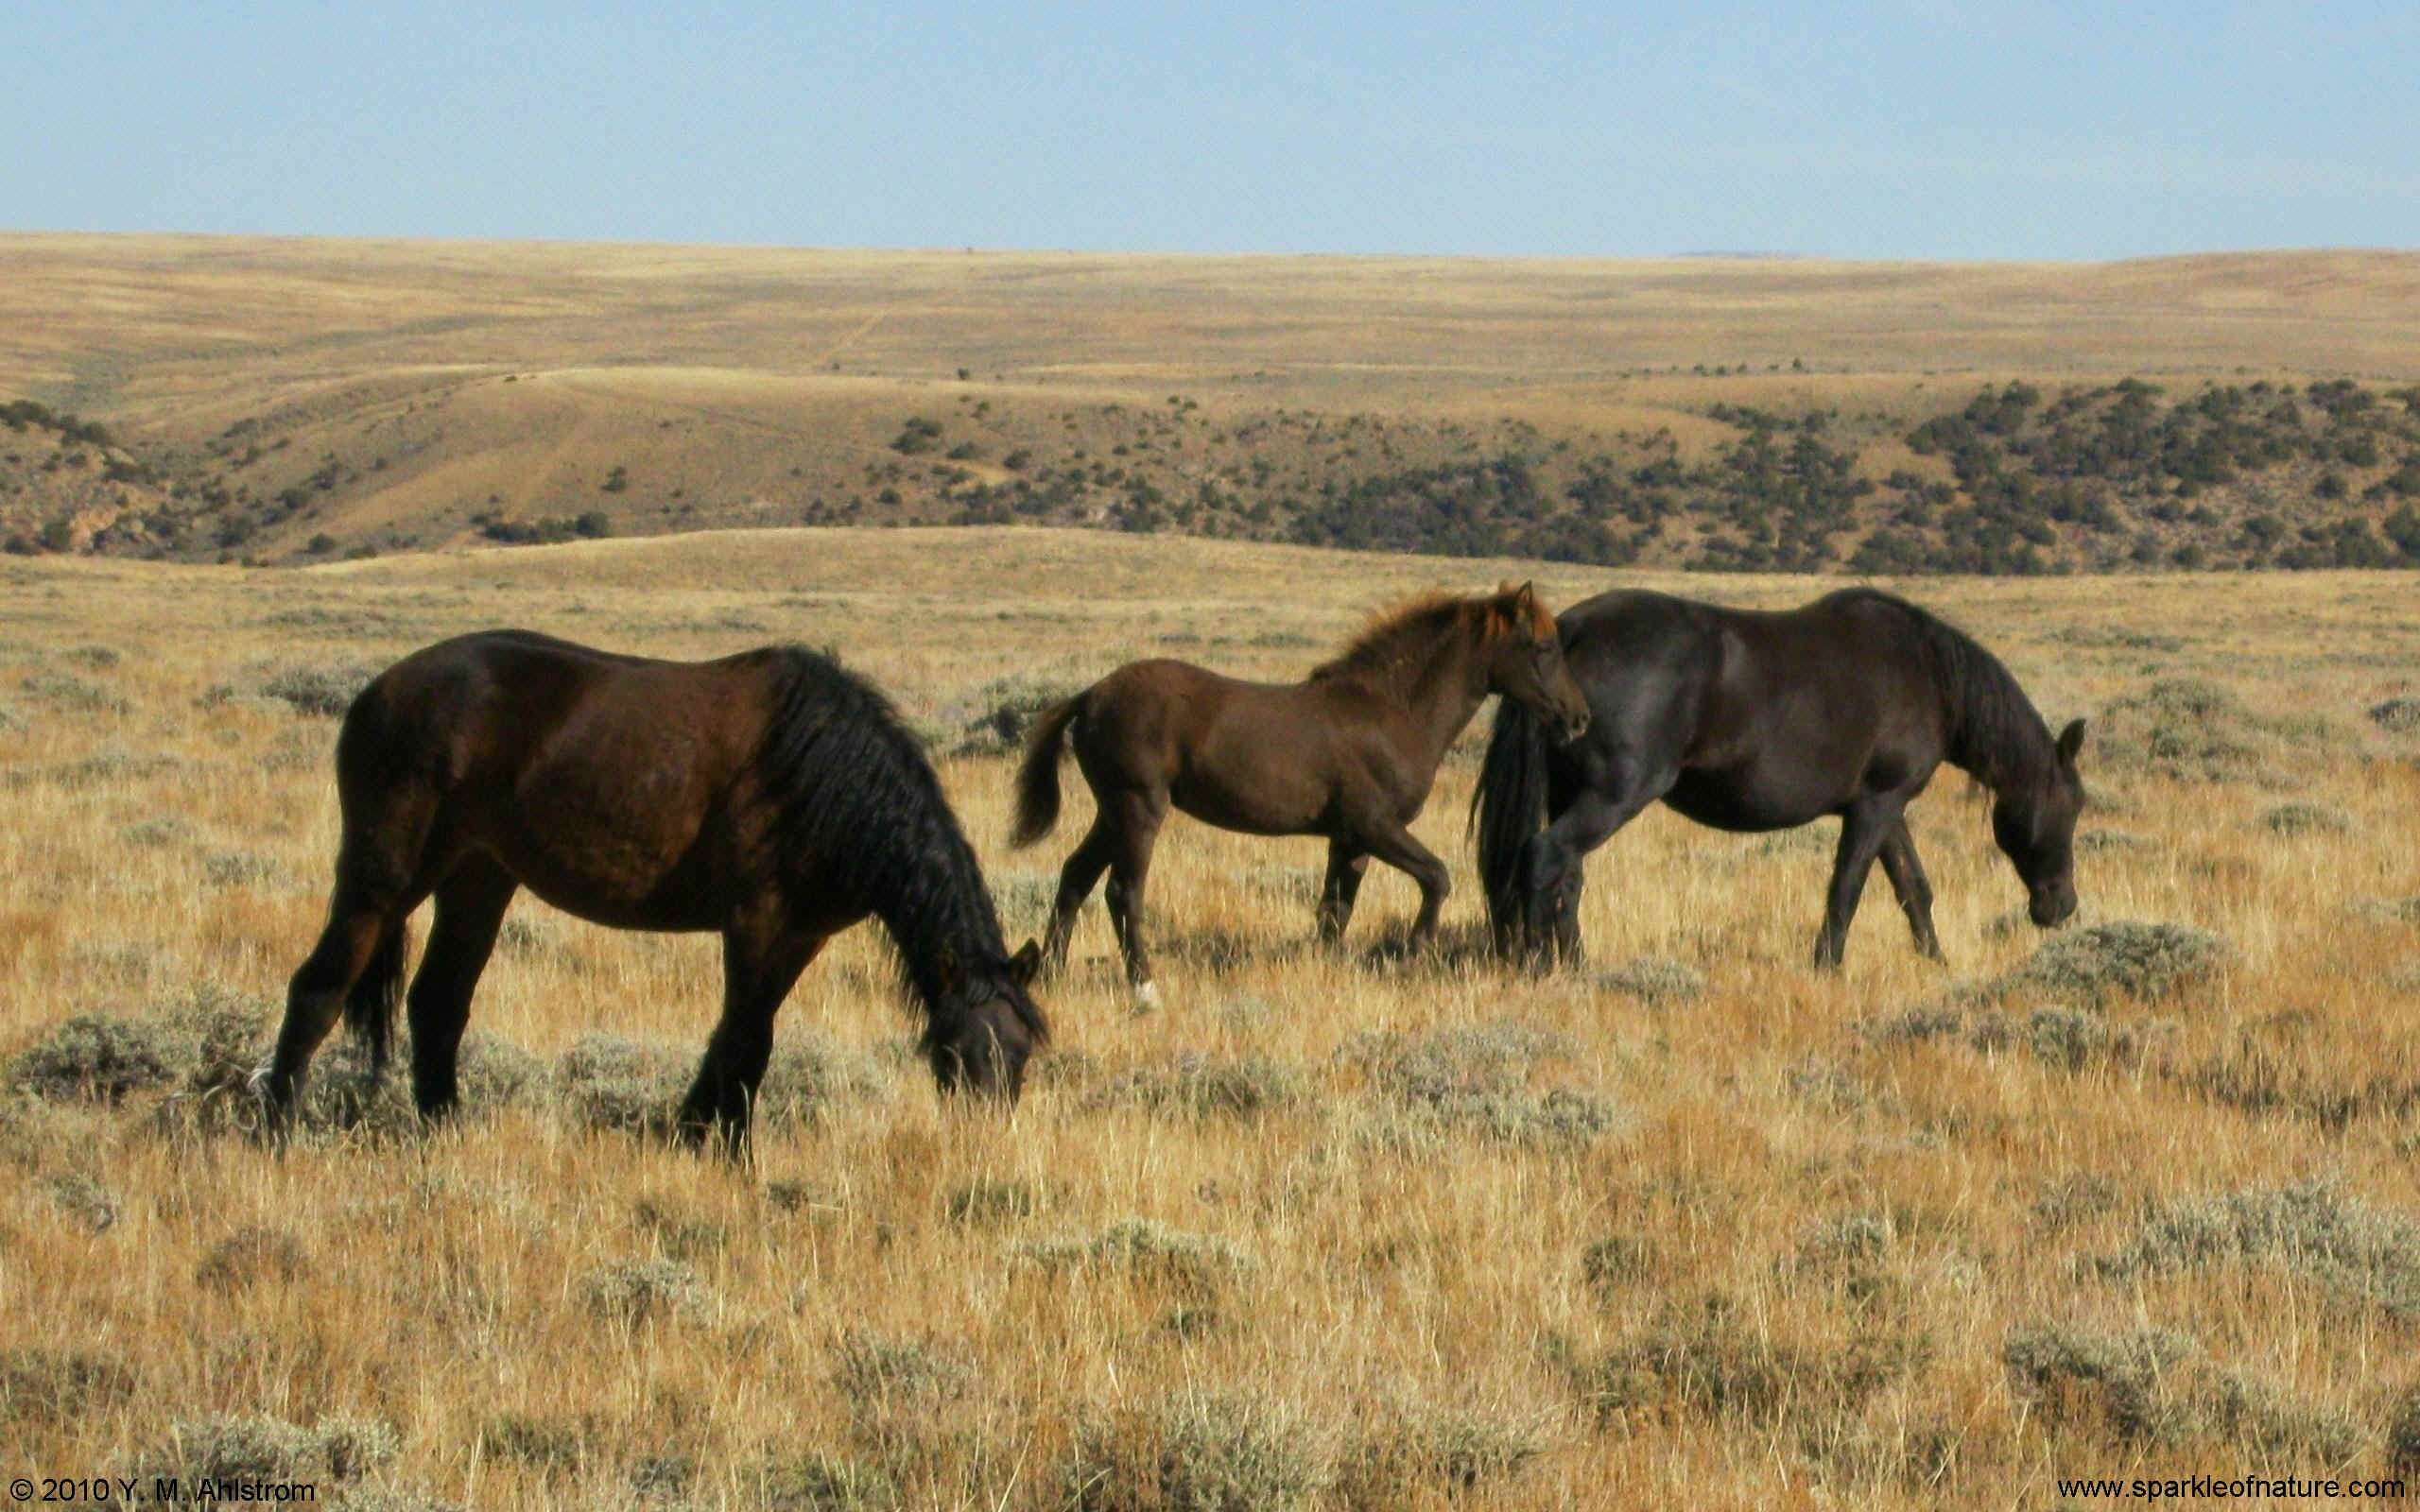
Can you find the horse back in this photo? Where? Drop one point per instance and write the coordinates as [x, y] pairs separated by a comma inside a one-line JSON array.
[[602, 780], [1768, 718]]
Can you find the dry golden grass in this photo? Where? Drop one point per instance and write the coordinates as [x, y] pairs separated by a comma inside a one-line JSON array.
[[1697, 1223]]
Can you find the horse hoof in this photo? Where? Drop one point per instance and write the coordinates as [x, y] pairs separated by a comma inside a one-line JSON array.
[[1147, 998]]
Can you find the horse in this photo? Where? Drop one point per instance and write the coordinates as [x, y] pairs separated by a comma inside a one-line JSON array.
[[1349, 753], [768, 796], [1752, 721]]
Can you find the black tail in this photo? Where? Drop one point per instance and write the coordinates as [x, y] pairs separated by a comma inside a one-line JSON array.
[[1508, 808], [1038, 774], [370, 1007]]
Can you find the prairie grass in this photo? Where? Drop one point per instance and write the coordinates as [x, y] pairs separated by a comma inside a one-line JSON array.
[[1693, 1225]]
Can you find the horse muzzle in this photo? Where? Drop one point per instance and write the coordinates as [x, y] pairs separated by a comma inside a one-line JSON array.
[[2050, 907]]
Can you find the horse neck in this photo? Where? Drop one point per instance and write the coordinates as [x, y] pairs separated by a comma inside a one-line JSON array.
[[1995, 735], [1437, 682]]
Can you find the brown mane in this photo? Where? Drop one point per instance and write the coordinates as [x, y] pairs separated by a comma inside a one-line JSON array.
[[1415, 622]]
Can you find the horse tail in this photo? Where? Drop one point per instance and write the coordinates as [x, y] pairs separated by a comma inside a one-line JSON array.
[[1038, 774], [370, 1007], [1507, 807]]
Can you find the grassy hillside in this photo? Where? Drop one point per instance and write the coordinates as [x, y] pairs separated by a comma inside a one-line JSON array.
[[1691, 1224], [293, 400]]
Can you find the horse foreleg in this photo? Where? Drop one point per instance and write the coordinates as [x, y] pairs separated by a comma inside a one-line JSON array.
[[1907, 881], [1552, 868], [1863, 828], [1134, 819], [1341, 885], [760, 965], [470, 907]]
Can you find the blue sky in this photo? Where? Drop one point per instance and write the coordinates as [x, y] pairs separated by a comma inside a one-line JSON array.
[[1926, 129]]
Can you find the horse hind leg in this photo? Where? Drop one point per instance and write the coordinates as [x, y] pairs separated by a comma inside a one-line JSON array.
[[1136, 817], [357, 960], [356, 966], [1864, 833], [470, 906], [1076, 880]]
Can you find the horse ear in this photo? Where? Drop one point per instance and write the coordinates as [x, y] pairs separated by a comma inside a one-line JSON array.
[[2070, 742], [1025, 964]]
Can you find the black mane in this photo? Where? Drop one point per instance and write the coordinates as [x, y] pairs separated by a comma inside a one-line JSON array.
[[842, 767]]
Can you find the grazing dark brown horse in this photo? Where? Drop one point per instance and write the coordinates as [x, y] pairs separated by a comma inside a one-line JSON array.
[[1349, 753], [1763, 721], [768, 796]]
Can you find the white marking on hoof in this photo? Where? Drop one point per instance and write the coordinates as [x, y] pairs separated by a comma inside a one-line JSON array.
[[1146, 997]]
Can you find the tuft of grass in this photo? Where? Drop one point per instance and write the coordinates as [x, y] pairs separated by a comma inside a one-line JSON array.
[[42, 1387], [633, 1292], [101, 1057], [2191, 730], [318, 692], [988, 1201], [1708, 1362], [2105, 842], [92, 1205], [1395, 1454], [2109, 1383], [261, 1448], [2396, 716], [2306, 819], [1608, 1265], [2149, 1387], [2146, 962], [2316, 1229], [1654, 981], [1197, 1452], [254, 1253], [240, 868], [605, 1082], [551, 1445], [1140, 1247], [1473, 1080], [66, 693], [1197, 1085], [824, 1482], [993, 719]]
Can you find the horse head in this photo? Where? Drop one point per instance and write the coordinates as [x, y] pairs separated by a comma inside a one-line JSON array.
[[983, 1047], [2034, 823], [1526, 662]]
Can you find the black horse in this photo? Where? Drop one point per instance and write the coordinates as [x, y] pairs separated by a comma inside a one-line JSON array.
[[1755, 721], [768, 796]]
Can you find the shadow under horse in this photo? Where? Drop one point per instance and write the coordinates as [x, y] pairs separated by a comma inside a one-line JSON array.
[[1350, 753], [769, 797], [1751, 721]]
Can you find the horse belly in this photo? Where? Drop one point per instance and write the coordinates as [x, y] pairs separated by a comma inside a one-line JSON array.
[[1252, 802], [1741, 799], [1253, 781]]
